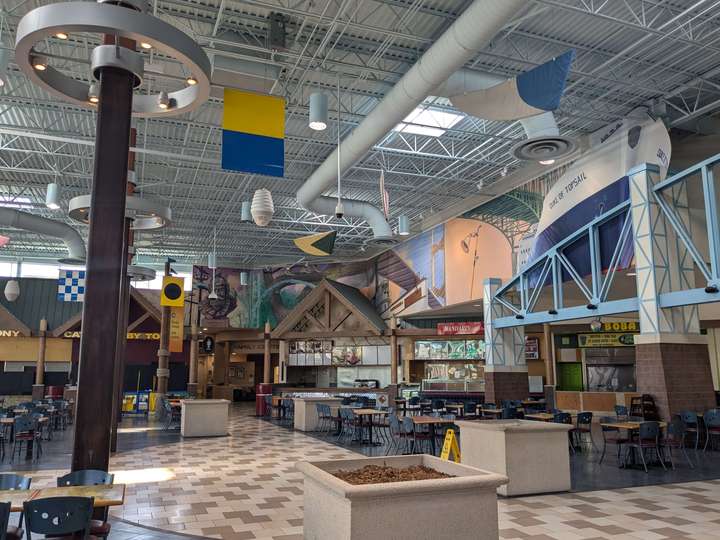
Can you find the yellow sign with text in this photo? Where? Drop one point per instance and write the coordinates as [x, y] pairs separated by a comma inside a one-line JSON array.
[[177, 314], [603, 340], [450, 446], [149, 336]]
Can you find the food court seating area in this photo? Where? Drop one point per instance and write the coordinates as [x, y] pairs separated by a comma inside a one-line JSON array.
[[24, 426]]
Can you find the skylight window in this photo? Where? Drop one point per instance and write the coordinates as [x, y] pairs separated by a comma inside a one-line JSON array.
[[430, 122], [8, 201]]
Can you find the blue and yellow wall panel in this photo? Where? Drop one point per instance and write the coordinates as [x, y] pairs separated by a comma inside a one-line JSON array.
[[253, 138]]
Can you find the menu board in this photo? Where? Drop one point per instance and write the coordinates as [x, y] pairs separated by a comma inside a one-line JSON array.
[[470, 349], [347, 356]]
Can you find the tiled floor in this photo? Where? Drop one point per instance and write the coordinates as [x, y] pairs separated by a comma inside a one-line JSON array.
[[245, 487]]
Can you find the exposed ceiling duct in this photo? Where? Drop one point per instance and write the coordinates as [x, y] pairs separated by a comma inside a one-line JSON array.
[[47, 227], [478, 24]]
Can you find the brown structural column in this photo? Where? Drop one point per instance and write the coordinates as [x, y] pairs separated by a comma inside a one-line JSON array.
[[38, 390], [163, 370], [193, 371], [393, 351], [124, 307], [267, 378], [91, 447], [548, 355]]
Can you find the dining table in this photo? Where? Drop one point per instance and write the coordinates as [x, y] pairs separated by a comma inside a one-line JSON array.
[[456, 408], [631, 426], [366, 420], [432, 422], [103, 495], [542, 417]]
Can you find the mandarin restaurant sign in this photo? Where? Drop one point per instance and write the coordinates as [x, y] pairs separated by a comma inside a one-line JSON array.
[[460, 328], [148, 336]]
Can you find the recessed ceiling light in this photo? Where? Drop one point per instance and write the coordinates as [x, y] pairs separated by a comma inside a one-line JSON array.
[[163, 100], [39, 63], [61, 35], [191, 81], [145, 45]]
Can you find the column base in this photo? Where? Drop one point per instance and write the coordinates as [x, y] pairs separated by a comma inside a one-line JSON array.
[[500, 385], [38, 392], [676, 375]]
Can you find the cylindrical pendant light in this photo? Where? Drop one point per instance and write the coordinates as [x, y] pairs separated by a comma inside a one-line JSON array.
[[403, 226], [12, 290], [243, 278], [245, 215], [262, 208], [318, 111], [52, 196], [212, 261]]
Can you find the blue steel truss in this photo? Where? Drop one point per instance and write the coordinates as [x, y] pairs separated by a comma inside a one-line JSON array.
[[521, 293]]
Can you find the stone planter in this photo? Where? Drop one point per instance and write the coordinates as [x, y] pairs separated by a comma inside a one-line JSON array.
[[461, 508], [533, 455]]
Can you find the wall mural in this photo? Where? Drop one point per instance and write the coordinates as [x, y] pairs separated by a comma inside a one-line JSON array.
[[408, 279]]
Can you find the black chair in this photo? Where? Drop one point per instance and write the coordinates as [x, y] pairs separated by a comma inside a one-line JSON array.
[[91, 477], [26, 432], [583, 428], [611, 435], [470, 409], [648, 439], [63, 518], [172, 415], [509, 413], [565, 418], [692, 425], [621, 412], [8, 532], [11, 482], [675, 438], [486, 406], [712, 426]]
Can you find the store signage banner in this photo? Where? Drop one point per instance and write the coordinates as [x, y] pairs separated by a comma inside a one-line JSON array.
[[146, 336], [606, 340], [532, 348], [460, 328], [176, 329]]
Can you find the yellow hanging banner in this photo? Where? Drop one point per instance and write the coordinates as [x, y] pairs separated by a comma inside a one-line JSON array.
[[172, 293], [450, 445], [177, 315]]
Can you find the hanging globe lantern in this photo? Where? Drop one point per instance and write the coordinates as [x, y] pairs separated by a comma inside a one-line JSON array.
[[262, 208]]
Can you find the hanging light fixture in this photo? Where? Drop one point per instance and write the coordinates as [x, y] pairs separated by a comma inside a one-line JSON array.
[[339, 209], [94, 93], [245, 215], [52, 196], [12, 290], [403, 225], [318, 111], [39, 63], [243, 278], [4, 62], [262, 208], [163, 100]]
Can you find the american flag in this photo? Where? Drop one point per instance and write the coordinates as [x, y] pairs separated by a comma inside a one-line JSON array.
[[384, 195]]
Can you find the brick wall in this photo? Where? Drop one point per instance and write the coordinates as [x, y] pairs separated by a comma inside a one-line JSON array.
[[677, 375], [501, 385]]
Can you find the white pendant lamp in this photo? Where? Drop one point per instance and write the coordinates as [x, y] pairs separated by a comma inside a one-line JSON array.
[[212, 264], [52, 196], [12, 290], [318, 111], [403, 226], [262, 208], [245, 215], [243, 278]]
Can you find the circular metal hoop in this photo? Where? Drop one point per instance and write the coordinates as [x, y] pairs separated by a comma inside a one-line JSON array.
[[74, 17], [146, 214], [140, 273]]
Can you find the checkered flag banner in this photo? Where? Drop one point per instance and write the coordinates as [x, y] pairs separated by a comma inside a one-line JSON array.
[[71, 286]]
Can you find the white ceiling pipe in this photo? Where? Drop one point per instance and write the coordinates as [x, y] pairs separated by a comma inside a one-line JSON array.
[[474, 29], [48, 227]]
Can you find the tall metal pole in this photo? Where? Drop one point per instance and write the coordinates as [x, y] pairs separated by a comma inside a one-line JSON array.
[[163, 371], [267, 358], [38, 390], [193, 372], [91, 447]]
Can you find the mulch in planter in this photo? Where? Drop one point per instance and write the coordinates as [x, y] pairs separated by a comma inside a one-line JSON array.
[[377, 474]]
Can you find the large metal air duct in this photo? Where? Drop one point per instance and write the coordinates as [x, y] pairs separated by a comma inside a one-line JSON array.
[[47, 227], [479, 23]]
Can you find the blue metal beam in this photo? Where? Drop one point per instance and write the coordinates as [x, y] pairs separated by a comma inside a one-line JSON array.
[[612, 307]]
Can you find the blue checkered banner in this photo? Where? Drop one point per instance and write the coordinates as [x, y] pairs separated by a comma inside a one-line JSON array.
[[71, 285]]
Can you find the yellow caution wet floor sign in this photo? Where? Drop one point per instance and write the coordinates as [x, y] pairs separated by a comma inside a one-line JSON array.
[[450, 445]]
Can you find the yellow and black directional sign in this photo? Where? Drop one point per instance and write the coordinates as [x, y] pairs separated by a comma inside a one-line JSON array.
[[172, 294], [450, 445], [321, 244]]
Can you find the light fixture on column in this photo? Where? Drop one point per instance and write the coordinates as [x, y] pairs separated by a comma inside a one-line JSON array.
[[403, 225], [94, 93], [163, 100], [39, 63], [243, 278], [318, 111], [245, 214], [52, 196]]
